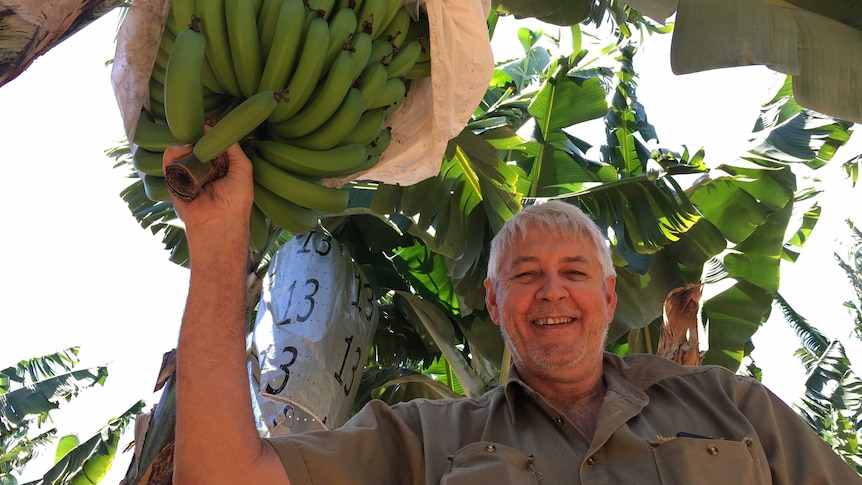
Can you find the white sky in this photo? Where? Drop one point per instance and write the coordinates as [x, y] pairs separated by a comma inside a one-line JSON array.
[[76, 268]]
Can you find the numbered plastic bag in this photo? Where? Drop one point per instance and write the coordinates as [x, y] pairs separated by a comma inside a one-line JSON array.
[[316, 320]]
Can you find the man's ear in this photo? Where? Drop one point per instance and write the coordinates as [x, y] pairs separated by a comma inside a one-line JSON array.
[[491, 301], [611, 296]]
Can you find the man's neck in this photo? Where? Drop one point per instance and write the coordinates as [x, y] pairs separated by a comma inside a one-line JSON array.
[[578, 397]]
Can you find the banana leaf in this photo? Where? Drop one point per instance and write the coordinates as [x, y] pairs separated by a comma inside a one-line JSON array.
[[818, 43], [19, 406], [33, 370], [433, 324], [90, 461], [810, 42], [559, 12]]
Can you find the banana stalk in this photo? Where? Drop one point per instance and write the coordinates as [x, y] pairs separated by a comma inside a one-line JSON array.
[[186, 176]]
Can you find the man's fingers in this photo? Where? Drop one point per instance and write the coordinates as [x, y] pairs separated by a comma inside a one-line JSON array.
[[174, 152]]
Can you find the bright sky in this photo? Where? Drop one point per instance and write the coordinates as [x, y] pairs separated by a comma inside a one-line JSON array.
[[77, 269]]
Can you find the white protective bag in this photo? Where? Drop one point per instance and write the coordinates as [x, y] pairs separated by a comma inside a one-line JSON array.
[[316, 320]]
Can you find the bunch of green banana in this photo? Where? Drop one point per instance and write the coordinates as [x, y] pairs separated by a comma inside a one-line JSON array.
[[305, 87]]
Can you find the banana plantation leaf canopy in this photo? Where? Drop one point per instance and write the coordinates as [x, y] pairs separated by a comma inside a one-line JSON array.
[[818, 43]]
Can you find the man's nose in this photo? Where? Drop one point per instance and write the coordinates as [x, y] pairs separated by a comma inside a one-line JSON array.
[[552, 289]]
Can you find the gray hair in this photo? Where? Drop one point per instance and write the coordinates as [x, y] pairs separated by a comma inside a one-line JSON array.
[[553, 215]]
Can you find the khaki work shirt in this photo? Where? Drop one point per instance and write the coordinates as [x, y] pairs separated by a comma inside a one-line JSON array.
[[660, 423]]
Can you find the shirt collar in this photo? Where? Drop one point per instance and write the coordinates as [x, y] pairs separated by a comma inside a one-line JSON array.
[[628, 377]]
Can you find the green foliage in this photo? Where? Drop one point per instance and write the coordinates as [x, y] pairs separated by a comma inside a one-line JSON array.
[[29, 392], [832, 402]]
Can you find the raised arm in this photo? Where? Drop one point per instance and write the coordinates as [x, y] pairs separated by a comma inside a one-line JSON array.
[[216, 437]]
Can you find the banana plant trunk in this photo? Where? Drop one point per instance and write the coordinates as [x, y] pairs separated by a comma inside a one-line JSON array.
[[29, 29]]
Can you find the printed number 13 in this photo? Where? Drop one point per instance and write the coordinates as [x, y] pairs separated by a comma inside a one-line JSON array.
[[339, 374]]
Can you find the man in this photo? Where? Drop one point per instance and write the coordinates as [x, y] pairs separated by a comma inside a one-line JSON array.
[[569, 413]]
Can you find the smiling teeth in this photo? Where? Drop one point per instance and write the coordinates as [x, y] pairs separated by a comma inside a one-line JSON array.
[[552, 321]]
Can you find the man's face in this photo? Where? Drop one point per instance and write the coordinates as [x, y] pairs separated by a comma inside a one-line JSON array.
[[552, 303]]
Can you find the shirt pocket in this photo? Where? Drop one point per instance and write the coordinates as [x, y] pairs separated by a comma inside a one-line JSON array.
[[694, 460], [491, 463]]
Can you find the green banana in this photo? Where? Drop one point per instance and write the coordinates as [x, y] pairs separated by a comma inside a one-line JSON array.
[[258, 229], [183, 93], [341, 26], [266, 22], [393, 94], [284, 213], [360, 44], [371, 160], [156, 90], [162, 59], [420, 30], [336, 127], [180, 16], [258, 5], [158, 73], [151, 135], [419, 70], [286, 42], [244, 44], [371, 82], [337, 162], [368, 128], [381, 51], [156, 188], [354, 5], [320, 8], [214, 27], [370, 15], [392, 9], [382, 142], [403, 59], [324, 101], [397, 27], [297, 189], [157, 108], [209, 80], [166, 43], [236, 124], [425, 55], [215, 103], [307, 72], [147, 162]]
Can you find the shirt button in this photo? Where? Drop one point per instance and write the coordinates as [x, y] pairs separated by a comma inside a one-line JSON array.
[[559, 420], [712, 449], [591, 461], [490, 448]]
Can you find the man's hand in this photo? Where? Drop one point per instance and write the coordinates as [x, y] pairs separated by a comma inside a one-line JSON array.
[[223, 205]]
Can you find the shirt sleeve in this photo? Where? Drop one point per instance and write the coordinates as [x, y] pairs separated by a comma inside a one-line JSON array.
[[797, 455], [377, 446]]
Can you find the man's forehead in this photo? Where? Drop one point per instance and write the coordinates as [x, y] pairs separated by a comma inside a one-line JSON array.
[[570, 248], [538, 258]]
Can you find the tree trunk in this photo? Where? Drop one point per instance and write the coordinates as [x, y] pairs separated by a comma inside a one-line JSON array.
[[29, 29], [679, 340]]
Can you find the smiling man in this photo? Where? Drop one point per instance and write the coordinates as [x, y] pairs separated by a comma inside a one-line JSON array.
[[550, 287], [568, 413]]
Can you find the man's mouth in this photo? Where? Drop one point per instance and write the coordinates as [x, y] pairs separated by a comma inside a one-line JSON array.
[[553, 321]]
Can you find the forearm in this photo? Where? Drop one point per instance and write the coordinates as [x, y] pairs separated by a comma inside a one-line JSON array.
[[216, 438]]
